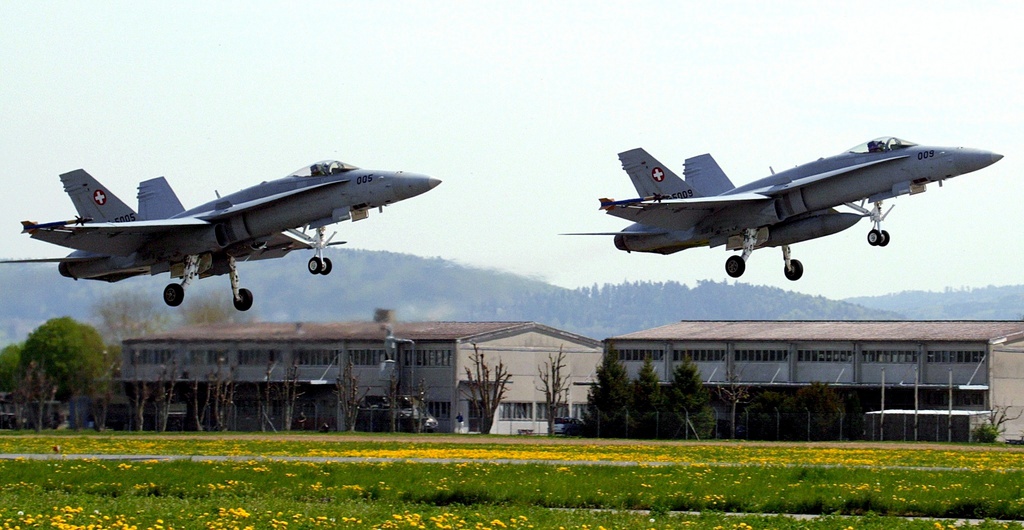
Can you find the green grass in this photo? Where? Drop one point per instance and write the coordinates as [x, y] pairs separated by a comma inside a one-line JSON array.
[[472, 493]]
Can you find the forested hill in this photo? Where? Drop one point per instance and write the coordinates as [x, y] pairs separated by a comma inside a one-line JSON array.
[[986, 303], [421, 289]]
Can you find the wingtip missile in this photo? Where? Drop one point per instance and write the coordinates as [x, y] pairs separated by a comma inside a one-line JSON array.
[[31, 226]]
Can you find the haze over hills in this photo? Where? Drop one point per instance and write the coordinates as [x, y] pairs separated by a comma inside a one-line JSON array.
[[435, 289]]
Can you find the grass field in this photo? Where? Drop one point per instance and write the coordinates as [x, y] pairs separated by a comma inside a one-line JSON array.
[[485, 482]]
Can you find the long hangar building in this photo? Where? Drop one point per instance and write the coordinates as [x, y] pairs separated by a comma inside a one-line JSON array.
[[979, 363]]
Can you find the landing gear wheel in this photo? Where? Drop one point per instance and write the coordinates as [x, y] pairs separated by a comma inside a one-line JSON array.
[[885, 239], [245, 301], [734, 266], [174, 294], [796, 272], [315, 265], [327, 267], [874, 238]]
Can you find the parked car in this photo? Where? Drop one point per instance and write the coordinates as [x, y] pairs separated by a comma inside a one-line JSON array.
[[408, 415], [568, 426]]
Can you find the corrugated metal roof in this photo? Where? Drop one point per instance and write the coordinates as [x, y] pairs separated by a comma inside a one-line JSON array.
[[334, 331], [762, 330]]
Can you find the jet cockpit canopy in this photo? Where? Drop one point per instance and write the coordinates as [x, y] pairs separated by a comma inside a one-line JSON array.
[[323, 168], [881, 145]]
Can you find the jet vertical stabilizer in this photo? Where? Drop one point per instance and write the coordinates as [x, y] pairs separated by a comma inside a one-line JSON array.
[[93, 200], [707, 179], [157, 200], [652, 178]]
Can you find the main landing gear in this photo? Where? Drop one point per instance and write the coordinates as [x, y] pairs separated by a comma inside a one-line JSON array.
[[174, 293], [736, 265]]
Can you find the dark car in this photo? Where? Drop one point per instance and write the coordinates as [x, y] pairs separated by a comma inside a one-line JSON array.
[[568, 426]]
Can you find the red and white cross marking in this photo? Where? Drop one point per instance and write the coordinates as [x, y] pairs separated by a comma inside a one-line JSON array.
[[657, 174], [99, 197]]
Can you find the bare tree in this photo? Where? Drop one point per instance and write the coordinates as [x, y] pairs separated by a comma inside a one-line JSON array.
[[164, 394], [141, 391], [222, 385], [346, 386], [734, 393], [555, 386], [212, 308], [485, 387], [37, 388], [266, 398], [290, 394], [999, 415]]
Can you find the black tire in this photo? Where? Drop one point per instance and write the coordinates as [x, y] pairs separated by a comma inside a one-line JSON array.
[[796, 273], [734, 266], [315, 265], [328, 267], [885, 239], [174, 294], [874, 238], [245, 301]]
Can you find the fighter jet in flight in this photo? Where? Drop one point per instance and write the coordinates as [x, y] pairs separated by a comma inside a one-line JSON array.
[[113, 242], [798, 204]]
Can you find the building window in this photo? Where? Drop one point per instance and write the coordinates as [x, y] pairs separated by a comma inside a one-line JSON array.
[[441, 410], [699, 356], [561, 411], [155, 356], [206, 357], [516, 411], [956, 356], [433, 358], [641, 354], [889, 356], [320, 357], [255, 357], [366, 357], [824, 356], [762, 356]]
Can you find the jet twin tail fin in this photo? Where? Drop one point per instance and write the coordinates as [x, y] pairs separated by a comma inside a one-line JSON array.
[[157, 200], [706, 177], [93, 200], [652, 178], [703, 176]]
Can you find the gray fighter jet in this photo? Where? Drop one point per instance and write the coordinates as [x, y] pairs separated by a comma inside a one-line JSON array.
[[114, 242], [798, 204]]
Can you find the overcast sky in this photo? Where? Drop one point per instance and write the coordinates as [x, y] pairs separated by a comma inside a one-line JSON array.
[[520, 108]]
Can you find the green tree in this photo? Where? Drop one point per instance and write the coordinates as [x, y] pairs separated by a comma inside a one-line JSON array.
[[70, 353], [10, 358], [689, 402], [824, 406], [608, 399], [647, 402]]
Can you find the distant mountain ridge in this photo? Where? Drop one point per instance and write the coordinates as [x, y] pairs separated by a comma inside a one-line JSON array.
[[984, 303], [420, 288]]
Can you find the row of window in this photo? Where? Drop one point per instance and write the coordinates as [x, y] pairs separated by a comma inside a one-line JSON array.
[[809, 356], [263, 357], [641, 354], [699, 356], [530, 411]]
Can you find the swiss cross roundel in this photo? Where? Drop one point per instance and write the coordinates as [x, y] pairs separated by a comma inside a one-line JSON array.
[[657, 174], [99, 197]]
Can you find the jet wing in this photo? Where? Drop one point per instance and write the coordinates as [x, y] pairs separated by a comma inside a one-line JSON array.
[[677, 214], [115, 239], [226, 209]]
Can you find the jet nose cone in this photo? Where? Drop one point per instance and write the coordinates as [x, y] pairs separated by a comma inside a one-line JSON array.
[[968, 160], [433, 182]]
